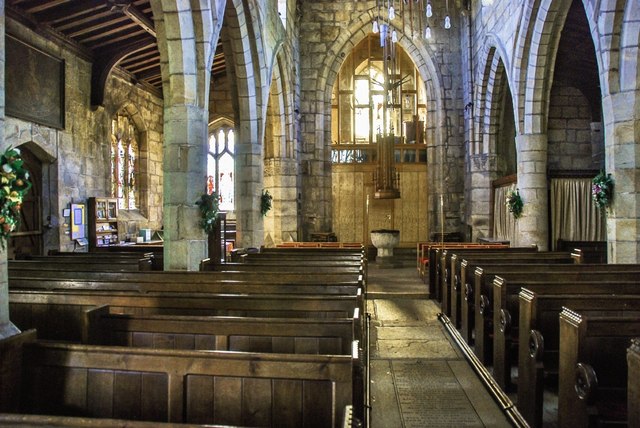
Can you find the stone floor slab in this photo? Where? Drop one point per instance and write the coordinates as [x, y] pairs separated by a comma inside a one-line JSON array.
[[428, 349], [385, 412], [405, 309], [430, 396], [424, 332]]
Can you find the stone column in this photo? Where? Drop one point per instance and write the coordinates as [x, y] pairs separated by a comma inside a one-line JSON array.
[[249, 172], [281, 223], [6, 327], [184, 167], [533, 226], [623, 219]]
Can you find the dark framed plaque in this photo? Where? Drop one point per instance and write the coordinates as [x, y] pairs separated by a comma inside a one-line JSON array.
[[34, 83]]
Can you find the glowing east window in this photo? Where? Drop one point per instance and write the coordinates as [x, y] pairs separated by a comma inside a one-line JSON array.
[[124, 162], [221, 166]]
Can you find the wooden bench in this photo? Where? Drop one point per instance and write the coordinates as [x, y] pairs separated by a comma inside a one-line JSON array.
[[505, 313], [463, 267], [592, 377], [246, 334], [80, 281], [447, 274], [423, 249], [308, 244], [538, 343], [180, 277], [155, 256], [38, 421], [633, 384], [435, 270], [512, 278], [590, 251], [65, 264], [212, 387], [58, 315]]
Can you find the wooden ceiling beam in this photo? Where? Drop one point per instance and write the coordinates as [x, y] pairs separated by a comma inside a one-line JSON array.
[[128, 9], [108, 59]]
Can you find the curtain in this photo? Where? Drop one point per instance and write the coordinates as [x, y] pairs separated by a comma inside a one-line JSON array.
[[574, 215], [504, 225]]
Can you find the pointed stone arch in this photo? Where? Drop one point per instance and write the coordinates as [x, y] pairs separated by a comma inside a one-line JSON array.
[[187, 34], [438, 129], [242, 29]]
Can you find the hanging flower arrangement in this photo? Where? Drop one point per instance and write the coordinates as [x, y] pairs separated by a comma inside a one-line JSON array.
[[602, 189], [514, 203], [209, 209], [265, 202], [14, 184]]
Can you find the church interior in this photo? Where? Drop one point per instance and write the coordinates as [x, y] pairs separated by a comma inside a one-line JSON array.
[[320, 213]]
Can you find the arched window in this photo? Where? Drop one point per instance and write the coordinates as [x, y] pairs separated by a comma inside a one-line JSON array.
[[124, 162], [220, 166]]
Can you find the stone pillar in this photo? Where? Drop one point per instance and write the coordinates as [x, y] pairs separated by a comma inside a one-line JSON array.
[[533, 226], [281, 223], [482, 168], [623, 219], [184, 167], [6, 327], [249, 172]]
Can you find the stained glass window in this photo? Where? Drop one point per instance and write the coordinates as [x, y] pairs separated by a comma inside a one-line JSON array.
[[124, 157], [221, 166]]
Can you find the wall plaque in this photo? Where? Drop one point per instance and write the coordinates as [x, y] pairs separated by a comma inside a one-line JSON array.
[[34, 83]]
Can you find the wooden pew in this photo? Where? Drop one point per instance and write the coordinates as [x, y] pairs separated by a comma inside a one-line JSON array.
[[590, 251], [435, 255], [212, 387], [592, 377], [447, 274], [180, 277], [505, 313], [14, 420], [538, 345], [633, 387], [309, 244], [246, 334], [155, 256], [58, 315], [82, 264], [215, 286], [512, 278], [463, 267]]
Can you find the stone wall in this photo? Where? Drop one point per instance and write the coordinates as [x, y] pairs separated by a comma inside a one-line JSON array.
[[77, 158], [569, 130]]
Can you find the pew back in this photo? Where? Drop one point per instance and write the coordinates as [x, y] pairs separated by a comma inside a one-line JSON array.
[[593, 346]]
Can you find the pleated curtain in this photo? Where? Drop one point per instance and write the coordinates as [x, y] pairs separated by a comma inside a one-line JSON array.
[[574, 215], [504, 225]]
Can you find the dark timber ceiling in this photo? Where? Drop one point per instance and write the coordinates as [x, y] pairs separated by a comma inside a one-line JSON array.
[[109, 33]]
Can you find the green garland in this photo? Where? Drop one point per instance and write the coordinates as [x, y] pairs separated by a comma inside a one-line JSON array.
[[514, 203], [14, 184], [602, 190], [265, 202], [209, 209]]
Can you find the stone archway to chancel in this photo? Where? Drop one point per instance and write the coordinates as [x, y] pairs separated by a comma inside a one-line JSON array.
[[416, 213]]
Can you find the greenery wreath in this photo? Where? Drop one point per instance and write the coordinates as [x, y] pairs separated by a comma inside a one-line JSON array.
[[265, 202], [14, 184], [602, 189], [209, 209], [514, 203]]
